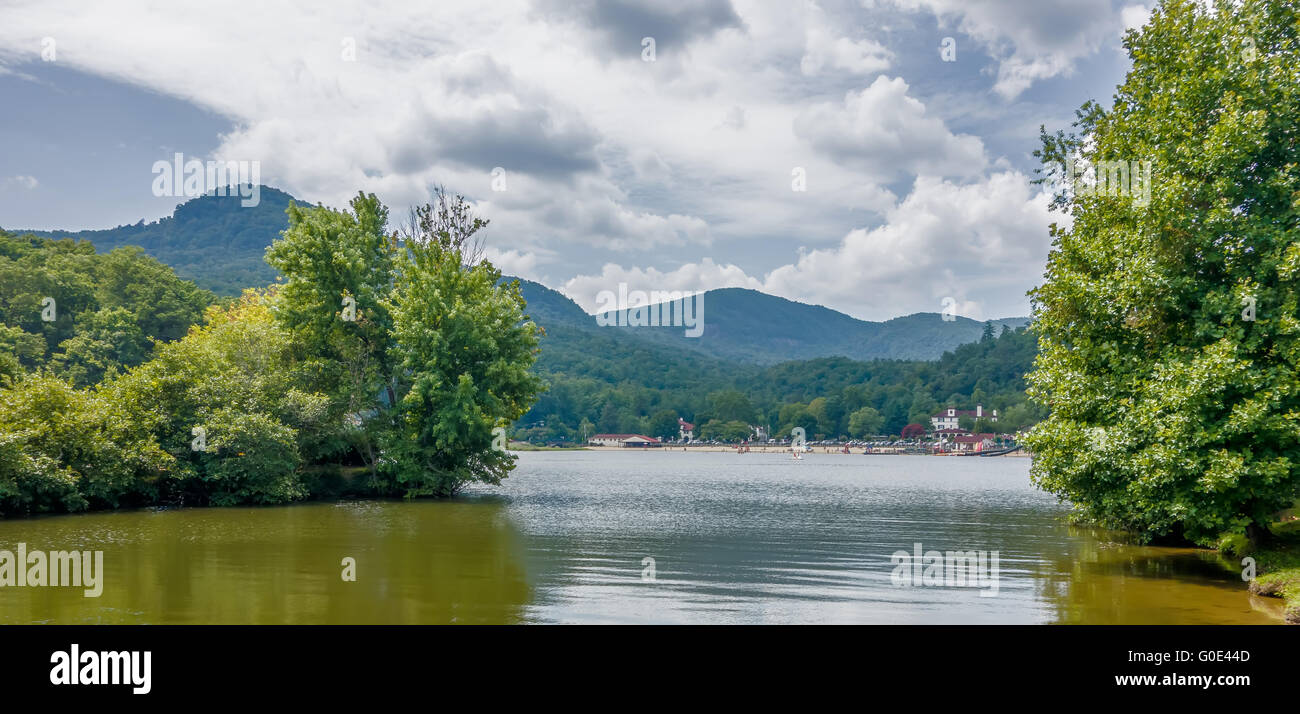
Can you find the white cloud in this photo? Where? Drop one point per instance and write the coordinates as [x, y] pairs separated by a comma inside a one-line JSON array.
[[983, 245], [884, 132], [611, 160], [705, 275], [21, 182], [514, 263], [1135, 16], [827, 51]]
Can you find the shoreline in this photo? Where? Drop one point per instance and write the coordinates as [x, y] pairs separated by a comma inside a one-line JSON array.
[[764, 449]]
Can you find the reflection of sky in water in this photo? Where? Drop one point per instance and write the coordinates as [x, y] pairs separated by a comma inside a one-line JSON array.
[[736, 539], [759, 538]]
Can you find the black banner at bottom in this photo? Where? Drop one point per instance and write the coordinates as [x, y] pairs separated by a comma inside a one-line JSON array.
[[207, 664]]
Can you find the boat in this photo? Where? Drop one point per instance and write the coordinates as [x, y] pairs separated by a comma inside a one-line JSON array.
[[998, 452]]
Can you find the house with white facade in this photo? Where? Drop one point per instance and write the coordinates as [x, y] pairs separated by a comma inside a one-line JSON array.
[[948, 418]]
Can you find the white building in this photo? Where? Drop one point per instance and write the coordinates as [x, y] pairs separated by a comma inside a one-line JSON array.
[[948, 418], [634, 440]]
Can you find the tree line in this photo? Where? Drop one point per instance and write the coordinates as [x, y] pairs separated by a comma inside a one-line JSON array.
[[830, 397]]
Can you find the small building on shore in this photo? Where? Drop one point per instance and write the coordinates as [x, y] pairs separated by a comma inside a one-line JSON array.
[[685, 429], [969, 442], [628, 440]]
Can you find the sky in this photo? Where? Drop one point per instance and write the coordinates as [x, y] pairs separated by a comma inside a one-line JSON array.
[[873, 156]]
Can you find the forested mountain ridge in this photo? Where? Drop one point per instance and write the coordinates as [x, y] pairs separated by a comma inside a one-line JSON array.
[[625, 380], [212, 240], [749, 326], [220, 245]]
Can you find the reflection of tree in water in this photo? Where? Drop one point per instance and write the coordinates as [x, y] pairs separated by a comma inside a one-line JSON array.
[[420, 562], [1099, 578]]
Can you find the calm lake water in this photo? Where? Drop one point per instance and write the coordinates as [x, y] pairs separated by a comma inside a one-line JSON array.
[[753, 538]]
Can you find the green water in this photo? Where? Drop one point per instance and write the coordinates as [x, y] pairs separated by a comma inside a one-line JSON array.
[[753, 538]]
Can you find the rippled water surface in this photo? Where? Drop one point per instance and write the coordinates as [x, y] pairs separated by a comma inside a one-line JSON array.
[[752, 538]]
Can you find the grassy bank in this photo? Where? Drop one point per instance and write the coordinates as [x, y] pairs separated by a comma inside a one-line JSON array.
[[1277, 561]]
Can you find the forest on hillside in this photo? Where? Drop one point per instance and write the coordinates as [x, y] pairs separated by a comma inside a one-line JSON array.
[[599, 385]]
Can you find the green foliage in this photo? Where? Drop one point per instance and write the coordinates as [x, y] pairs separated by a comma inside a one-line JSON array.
[[1174, 414], [251, 458], [618, 387], [663, 425], [108, 308], [436, 355], [231, 378], [865, 422], [719, 430], [465, 350], [336, 306], [67, 450]]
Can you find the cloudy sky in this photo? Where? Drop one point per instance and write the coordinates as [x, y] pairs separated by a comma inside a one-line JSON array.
[[671, 166]]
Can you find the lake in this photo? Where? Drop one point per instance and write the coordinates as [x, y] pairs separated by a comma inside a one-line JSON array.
[[734, 538]]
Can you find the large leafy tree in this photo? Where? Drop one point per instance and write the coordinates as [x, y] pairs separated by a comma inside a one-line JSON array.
[[1175, 404], [865, 422], [465, 351], [335, 303], [422, 350]]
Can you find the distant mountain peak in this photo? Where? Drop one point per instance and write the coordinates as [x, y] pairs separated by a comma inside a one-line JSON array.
[[219, 244]]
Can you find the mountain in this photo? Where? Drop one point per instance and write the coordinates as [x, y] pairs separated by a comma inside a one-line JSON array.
[[211, 240], [219, 244], [754, 327]]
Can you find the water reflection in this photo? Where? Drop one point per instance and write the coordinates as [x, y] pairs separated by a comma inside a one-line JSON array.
[[423, 562], [1103, 580], [749, 538]]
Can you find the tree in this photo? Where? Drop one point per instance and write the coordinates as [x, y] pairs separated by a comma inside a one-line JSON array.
[[464, 351], [719, 430], [1168, 348], [63, 449], [609, 419], [663, 424], [732, 405], [105, 342], [107, 309], [255, 459], [805, 421], [865, 421], [230, 379], [336, 304], [913, 431]]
